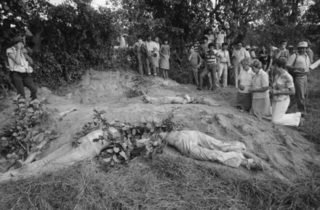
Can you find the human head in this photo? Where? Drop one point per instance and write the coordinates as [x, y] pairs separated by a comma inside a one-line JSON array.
[[149, 38], [279, 64], [205, 40], [248, 47], [18, 40], [239, 45], [165, 41], [211, 46], [224, 46], [191, 49], [139, 38], [256, 65], [291, 49], [156, 39], [302, 47], [283, 44], [245, 63]]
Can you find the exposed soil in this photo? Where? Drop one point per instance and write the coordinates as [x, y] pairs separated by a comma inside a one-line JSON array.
[[285, 153]]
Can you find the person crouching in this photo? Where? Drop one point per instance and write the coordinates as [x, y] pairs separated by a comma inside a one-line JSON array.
[[282, 88], [260, 91]]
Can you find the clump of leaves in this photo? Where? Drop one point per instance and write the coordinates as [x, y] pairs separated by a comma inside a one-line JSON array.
[[25, 135], [126, 141]]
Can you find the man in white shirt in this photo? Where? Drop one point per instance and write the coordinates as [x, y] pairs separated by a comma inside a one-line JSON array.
[[221, 35], [298, 64], [150, 47], [20, 69], [238, 54], [224, 64]]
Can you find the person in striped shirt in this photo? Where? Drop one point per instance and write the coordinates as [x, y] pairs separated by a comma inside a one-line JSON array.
[[211, 67]]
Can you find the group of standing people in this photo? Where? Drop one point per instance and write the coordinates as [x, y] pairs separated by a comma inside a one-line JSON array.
[[153, 58], [266, 79]]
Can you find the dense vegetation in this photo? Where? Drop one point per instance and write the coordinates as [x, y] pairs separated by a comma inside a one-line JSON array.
[[69, 38]]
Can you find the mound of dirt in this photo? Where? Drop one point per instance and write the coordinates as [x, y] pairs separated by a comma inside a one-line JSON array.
[[285, 153]]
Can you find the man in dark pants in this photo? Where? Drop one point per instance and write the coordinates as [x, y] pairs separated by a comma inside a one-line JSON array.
[[298, 64], [19, 65]]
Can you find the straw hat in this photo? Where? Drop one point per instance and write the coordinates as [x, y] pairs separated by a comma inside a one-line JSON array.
[[303, 45]]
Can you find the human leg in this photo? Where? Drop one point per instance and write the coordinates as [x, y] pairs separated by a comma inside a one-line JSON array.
[[18, 83], [140, 64], [225, 75], [301, 88], [236, 73], [214, 73], [148, 63], [280, 117], [28, 82], [209, 142], [202, 75], [195, 75]]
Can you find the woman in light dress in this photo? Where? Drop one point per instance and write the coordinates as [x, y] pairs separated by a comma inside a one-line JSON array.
[[260, 91], [164, 59], [282, 88]]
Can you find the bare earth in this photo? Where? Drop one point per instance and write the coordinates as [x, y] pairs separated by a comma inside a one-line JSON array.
[[284, 153]]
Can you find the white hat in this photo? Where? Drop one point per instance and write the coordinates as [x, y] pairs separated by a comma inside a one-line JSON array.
[[303, 44]]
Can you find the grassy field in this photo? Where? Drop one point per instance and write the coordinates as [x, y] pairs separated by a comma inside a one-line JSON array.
[[167, 182], [162, 183], [311, 128]]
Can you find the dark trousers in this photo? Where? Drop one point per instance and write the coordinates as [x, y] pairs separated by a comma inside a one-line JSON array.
[[24, 79]]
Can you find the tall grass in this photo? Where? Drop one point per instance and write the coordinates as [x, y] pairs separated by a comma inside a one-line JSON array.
[[166, 182]]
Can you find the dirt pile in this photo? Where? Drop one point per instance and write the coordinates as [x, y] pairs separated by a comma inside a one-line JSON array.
[[283, 151]]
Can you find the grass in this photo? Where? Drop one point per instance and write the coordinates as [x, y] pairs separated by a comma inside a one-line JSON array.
[[165, 182], [312, 122]]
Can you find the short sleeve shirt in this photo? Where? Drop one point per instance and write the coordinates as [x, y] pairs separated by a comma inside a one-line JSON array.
[[221, 36], [239, 54], [299, 61], [259, 80], [245, 78], [224, 55], [282, 82], [23, 68]]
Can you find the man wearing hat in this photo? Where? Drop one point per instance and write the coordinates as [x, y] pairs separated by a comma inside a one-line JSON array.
[[19, 65], [298, 64]]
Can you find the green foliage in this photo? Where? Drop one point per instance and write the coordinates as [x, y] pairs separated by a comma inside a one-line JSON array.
[[23, 136], [126, 141]]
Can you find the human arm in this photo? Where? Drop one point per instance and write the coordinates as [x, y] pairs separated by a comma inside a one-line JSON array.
[[15, 56], [278, 54], [270, 61], [287, 91], [28, 58], [264, 84], [200, 61]]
